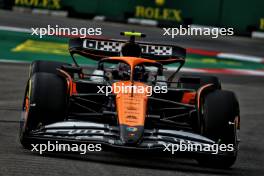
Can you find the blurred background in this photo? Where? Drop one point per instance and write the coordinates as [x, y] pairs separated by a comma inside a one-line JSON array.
[[237, 60], [238, 54], [244, 16]]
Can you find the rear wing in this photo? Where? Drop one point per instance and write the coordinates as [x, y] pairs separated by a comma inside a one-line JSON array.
[[97, 49]]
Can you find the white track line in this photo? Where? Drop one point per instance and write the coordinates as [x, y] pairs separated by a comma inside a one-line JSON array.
[[15, 29], [240, 57], [13, 61], [257, 34]]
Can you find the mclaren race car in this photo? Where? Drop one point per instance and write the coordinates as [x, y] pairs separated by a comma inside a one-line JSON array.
[[69, 103]]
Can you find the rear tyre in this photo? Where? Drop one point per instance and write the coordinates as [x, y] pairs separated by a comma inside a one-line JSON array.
[[45, 66], [186, 81], [45, 102], [220, 112]]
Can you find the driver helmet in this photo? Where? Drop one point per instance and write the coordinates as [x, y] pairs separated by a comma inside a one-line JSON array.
[[131, 49]]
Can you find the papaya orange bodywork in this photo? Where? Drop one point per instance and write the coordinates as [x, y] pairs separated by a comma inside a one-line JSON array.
[[27, 104], [188, 97], [70, 84], [133, 61], [131, 106]]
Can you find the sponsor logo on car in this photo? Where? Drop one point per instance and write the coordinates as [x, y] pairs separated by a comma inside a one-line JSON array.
[[132, 129]]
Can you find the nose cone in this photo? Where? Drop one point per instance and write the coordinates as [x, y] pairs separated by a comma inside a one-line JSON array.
[[131, 111], [131, 135]]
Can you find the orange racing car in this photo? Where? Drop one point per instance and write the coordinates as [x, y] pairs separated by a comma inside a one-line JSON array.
[[128, 102]]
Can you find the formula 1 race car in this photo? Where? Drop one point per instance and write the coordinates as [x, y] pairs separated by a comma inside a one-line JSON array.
[[127, 102]]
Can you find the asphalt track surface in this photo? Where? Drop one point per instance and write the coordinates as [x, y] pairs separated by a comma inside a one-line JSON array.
[[14, 160]]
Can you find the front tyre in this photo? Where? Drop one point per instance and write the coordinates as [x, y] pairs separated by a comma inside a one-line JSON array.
[[45, 102], [220, 112]]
